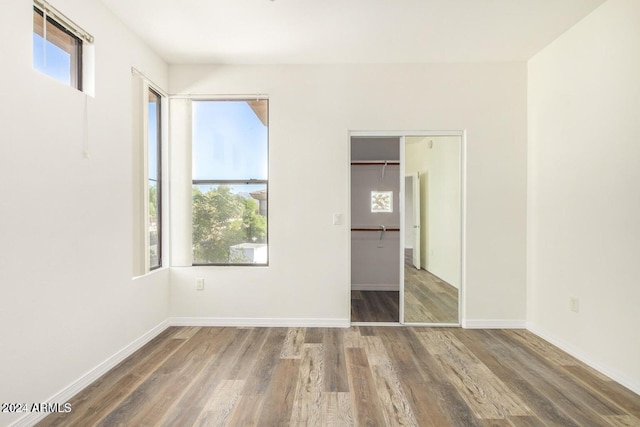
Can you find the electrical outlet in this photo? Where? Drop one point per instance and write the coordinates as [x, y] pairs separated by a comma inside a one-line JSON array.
[[199, 284], [574, 304]]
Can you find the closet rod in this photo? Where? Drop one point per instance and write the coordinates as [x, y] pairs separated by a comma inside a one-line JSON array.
[[373, 162], [374, 229]]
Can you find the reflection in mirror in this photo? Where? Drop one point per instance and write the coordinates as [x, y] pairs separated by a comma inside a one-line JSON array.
[[432, 232]]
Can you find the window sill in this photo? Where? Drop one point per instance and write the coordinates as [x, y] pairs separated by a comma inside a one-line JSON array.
[[150, 273]]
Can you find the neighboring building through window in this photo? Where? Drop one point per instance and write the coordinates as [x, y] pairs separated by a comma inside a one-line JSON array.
[[58, 45], [230, 182], [154, 180]]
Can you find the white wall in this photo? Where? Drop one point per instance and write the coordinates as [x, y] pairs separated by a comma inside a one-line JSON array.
[[68, 301], [312, 109], [375, 262], [414, 154], [584, 186], [409, 237], [439, 169]]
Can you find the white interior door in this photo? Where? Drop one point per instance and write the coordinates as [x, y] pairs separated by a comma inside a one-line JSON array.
[[415, 189]]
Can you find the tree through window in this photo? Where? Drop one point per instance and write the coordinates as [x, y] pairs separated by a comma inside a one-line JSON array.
[[230, 182], [154, 179]]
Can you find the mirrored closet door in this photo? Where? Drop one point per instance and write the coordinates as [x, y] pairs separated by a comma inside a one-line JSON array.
[[431, 229], [406, 228]]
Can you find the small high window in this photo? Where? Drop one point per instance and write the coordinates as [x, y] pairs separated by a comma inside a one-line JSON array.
[[58, 45]]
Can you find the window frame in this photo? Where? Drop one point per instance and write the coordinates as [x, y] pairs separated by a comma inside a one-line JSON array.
[[248, 181], [50, 17], [159, 180]]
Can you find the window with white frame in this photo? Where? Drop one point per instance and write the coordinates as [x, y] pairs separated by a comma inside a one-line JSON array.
[[58, 45], [230, 182], [147, 175], [154, 179]]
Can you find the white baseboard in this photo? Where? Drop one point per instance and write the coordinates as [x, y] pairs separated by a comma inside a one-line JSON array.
[[494, 324], [72, 389], [581, 355], [375, 287], [78, 385], [259, 322]]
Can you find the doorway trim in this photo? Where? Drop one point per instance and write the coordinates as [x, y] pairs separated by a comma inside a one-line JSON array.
[[463, 214]]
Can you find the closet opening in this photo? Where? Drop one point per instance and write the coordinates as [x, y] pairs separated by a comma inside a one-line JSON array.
[[407, 238], [375, 230]]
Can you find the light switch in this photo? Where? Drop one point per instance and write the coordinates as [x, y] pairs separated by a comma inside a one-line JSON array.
[[337, 219]]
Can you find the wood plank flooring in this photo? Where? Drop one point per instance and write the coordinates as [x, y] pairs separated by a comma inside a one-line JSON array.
[[373, 376], [427, 298], [375, 306]]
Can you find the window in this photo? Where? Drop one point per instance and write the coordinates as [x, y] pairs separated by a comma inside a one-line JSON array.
[[381, 201], [58, 45], [154, 180], [147, 182], [230, 182]]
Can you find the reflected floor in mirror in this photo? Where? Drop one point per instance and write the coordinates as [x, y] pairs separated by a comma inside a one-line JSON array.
[[427, 299]]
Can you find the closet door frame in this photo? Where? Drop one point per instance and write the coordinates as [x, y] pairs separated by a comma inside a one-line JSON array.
[[463, 150]]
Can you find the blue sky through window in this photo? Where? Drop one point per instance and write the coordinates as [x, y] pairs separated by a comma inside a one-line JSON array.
[[153, 140], [229, 141], [57, 63]]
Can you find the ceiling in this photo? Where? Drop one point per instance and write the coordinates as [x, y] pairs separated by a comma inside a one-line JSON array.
[[348, 31]]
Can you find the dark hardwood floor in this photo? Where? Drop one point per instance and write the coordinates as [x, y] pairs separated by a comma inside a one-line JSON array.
[[375, 306], [373, 376]]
